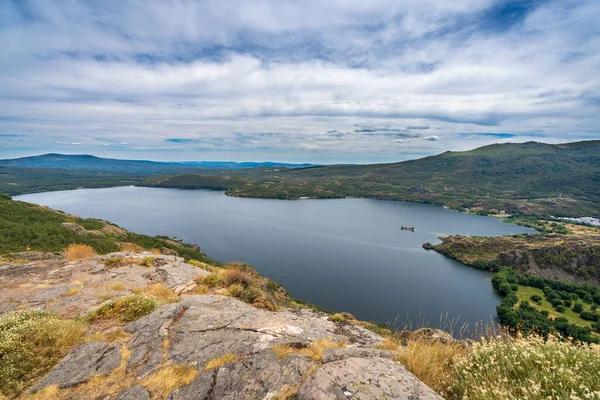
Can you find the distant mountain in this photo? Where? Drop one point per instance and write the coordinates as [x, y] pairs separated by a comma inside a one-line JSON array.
[[139, 167]]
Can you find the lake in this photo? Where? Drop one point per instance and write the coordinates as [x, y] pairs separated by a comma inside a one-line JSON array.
[[345, 254]]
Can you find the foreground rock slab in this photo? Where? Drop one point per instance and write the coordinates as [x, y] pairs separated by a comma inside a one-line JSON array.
[[364, 379]]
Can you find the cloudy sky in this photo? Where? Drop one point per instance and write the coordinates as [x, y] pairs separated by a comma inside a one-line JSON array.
[[295, 80]]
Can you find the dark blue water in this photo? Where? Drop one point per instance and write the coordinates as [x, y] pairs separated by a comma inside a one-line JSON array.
[[346, 255]]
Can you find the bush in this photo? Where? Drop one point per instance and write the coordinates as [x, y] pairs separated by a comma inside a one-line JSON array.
[[147, 261], [578, 307], [515, 369], [235, 290], [250, 294], [212, 280], [589, 316], [77, 251], [113, 261], [32, 342], [560, 309], [567, 303], [127, 308], [337, 318], [236, 276], [536, 299]]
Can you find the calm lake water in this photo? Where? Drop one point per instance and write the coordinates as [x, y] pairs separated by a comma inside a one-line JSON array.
[[345, 255]]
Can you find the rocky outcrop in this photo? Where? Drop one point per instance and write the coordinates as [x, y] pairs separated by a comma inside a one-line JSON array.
[[569, 258], [235, 350], [204, 328], [76, 287], [347, 379], [81, 364]]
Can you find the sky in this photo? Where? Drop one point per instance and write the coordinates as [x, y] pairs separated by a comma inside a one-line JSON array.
[[322, 81]]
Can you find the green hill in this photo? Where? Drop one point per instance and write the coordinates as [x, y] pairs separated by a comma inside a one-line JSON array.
[[28, 227], [529, 177]]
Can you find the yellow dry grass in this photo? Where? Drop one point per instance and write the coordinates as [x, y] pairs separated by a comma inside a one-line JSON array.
[[431, 361], [77, 251], [204, 266], [155, 251], [388, 344], [200, 289], [73, 292], [116, 286], [169, 378], [162, 294], [217, 362], [314, 351], [130, 247]]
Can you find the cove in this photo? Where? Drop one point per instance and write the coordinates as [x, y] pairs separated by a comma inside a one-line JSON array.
[[344, 254]]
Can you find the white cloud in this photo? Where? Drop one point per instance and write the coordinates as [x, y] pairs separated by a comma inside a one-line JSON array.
[[242, 77]]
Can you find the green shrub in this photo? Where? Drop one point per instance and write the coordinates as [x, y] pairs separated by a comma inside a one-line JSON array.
[[235, 290], [32, 342], [337, 318], [250, 294], [578, 307], [531, 368], [560, 309], [113, 261], [147, 261], [536, 299], [272, 286], [212, 280], [127, 308]]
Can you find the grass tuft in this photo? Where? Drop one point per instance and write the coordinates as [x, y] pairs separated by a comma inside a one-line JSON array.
[[162, 294], [314, 351], [431, 361], [147, 261], [531, 368], [217, 362], [77, 251], [127, 308], [168, 379]]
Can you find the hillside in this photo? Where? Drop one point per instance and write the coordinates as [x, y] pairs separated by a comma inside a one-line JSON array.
[[29, 227], [530, 177]]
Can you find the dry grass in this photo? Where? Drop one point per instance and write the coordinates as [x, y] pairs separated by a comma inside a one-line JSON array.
[[116, 286], [204, 266], [130, 247], [155, 251], [431, 361], [162, 294], [389, 344], [169, 378], [48, 393], [73, 292], [77, 251], [200, 289], [314, 351], [217, 362], [236, 276], [108, 333], [235, 290]]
